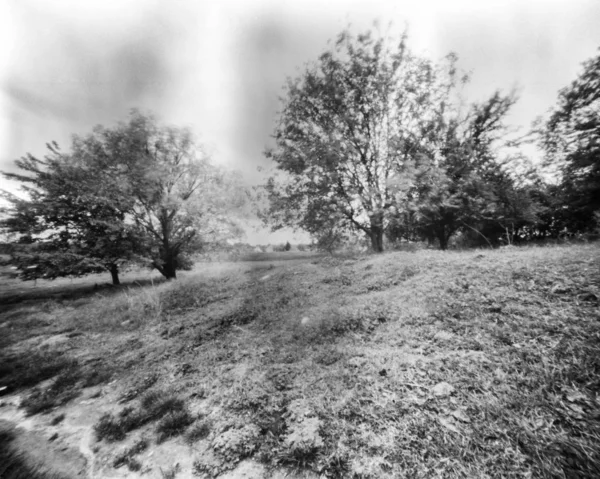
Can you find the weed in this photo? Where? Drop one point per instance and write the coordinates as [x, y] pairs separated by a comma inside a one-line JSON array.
[[173, 424], [153, 406], [141, 385], [126, 458], [62, 390], [28, 369], [156, 404], [236, 443], [198, 432], [109, 429]]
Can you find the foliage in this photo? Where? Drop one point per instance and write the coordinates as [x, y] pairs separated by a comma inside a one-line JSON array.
[[72, 224], [173, 424], [58, 393], [127, 457], [463, 183], [153, 406], [372, 139], [349, 132], [27, 370], [198, 432], [178, 197], [139, 191], [571, 141]]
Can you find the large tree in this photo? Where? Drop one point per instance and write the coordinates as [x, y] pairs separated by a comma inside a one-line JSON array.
[[178, 198], [137, 191], [571, 140], [350, 130], [373, 138]]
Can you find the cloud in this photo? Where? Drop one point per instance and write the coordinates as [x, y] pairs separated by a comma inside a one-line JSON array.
[[81, 73]]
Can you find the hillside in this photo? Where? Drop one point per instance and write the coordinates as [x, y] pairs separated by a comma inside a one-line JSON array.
[[426, 364]]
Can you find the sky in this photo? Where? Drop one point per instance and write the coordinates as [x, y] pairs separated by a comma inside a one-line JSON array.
[[219, 67]]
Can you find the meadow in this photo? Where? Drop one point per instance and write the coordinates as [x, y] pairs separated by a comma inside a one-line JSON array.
[[424, 364]]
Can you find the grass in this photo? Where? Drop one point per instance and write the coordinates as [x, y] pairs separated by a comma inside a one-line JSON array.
[[127, 457], [22, 370], [154, 405], [14, 465], [173, 424], [409, 364], [62, 390], [198, 432]]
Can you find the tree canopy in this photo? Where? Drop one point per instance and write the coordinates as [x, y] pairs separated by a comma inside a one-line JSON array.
[[71, 224], [372, 138], [139, 191], [571, 141]]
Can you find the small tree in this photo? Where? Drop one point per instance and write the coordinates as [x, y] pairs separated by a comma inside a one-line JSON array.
[[70, 225]]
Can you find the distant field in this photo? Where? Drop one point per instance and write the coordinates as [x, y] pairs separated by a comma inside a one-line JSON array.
[[13, 290], [280, 256], [473, 364]]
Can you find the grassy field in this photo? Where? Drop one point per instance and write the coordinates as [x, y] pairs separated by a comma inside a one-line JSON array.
[[426, 364]]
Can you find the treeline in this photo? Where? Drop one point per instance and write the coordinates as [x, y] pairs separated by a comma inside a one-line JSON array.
[[372, 140], [378, 141]]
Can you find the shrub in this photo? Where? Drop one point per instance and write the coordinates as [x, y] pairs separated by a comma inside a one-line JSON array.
[[198, 432], [127, 458], [62, 390], [235, 444], [173, 424]]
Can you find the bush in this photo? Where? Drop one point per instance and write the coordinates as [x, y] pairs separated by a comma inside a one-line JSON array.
[[198, 432], [173, 424]]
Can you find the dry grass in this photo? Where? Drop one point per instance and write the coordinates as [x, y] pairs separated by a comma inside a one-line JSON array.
[[423, 364]]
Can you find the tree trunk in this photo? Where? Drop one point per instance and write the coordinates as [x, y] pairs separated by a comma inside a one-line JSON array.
[[114, 273], [376, 232], [376, 236], [169, 269], [442, 238]]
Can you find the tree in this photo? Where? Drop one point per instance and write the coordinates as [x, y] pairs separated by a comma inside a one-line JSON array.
[[349, 132], [178, 198], [138, 191], [70, 225], [463, 182], [571, 141]]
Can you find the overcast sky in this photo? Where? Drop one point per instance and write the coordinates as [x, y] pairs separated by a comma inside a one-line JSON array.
[[219, 66]]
